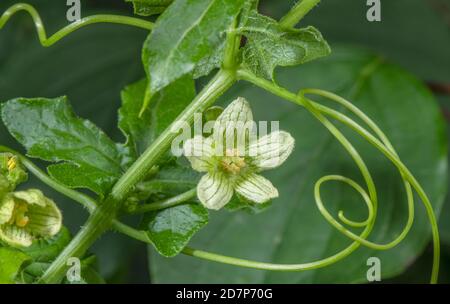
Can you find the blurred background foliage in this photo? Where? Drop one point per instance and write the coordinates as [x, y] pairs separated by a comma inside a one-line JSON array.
[[92, 65]]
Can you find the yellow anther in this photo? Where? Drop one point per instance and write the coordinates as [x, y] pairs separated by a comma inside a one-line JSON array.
[[19, 217], [22, 221], [12, 163], [232, 163]]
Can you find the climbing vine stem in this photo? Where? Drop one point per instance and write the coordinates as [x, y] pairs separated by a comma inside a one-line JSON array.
[[297, 13], [104, 214], [124, 20], [102, 218]]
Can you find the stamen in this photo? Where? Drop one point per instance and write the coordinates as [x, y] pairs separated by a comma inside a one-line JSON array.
[[12, 163], [232, 162]]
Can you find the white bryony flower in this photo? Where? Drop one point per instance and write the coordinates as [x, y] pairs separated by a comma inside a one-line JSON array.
[[236, 167], [26, 216]]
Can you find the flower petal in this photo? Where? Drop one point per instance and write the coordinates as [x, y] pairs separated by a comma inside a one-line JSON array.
[[199, 152], [237, 111], [214, 190], [256, 188], [271, 150], [45, 219], [6, 209], [15, 236], [234, 127], [32, 197]]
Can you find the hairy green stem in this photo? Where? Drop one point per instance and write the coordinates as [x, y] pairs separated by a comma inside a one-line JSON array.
[[231, 47], [100, 221], [223, 80], [124, 20], [297, 13], [167, 203], [102, 218]]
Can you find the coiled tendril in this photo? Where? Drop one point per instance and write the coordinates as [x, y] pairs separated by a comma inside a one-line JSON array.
[[369, 196]]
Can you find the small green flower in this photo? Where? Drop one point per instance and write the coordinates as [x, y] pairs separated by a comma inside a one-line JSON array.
[[26, 216], [12, 170], [236, 167]]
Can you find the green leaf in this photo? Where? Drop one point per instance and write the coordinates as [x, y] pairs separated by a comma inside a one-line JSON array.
[[294, 231], [270, 46], [165, 107], [33, 271], [49, 130], [11, 261], [46, 250], [149, 7], [95, 71], [175, 49], [171, 229]]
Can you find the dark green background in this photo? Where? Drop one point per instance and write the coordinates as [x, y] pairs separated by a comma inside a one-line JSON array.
[[92, 65]]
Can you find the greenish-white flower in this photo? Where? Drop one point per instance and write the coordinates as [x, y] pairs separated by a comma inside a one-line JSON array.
[[26, 216], [232, 158]]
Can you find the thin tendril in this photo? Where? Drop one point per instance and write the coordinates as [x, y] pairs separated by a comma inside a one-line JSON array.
[[370, 197], [136, 22], [86, 201], [384, 146]]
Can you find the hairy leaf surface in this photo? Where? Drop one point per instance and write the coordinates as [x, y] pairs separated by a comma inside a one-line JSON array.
[[49, 130], [171, 229], [270, 46], [175, 49]]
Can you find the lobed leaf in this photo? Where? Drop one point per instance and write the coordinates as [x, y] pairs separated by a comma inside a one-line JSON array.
[[49, 130], [270, 46]]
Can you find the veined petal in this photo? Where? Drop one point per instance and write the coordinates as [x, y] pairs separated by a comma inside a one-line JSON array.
[[234, 127], [32, 197], [199, 152], [6, 209], [214, 190], [271, 150], [238, 110], [45, 219], [15, 236], [256, 188]]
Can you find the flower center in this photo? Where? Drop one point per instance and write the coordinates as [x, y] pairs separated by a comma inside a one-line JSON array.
[[19, 217], [232, 162]]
